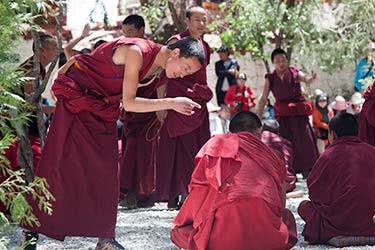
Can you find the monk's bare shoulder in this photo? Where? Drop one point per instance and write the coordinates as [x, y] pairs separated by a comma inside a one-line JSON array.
[[127, 51]]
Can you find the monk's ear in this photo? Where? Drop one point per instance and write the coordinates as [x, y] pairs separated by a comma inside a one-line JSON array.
[[331, 136], [258, 132], [175, 52]]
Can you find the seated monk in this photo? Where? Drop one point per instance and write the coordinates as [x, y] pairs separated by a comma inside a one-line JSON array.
[[283, 148], [236, 198], [341, 189]]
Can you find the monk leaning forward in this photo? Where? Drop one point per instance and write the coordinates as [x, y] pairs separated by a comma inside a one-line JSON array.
[[80, 157]]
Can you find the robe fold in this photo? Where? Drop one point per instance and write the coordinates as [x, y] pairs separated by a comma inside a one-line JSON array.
[[235, 199], [138, 161], [182, 136], [294, 126], [367, 117], [80, 158], [342, 192], [283, 148]]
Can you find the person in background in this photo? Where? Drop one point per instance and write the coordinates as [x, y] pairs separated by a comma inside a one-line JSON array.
[[182, 137], [240, 97], [321, 117], [219, 119], [138, 140], [269, 111], [367, 117], [291, 109], [365, 68], [134, 26], [355, 104], [339, 105], [225, 70]]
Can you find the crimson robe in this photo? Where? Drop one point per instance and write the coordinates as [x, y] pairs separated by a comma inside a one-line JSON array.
[[367, 117], [235, 199], [182, 136], [295, 128], [283, 148], [342, 192], [80, 158], [138, 159]]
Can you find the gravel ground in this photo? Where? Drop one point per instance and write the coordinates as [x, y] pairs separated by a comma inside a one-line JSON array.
[[149, 229]]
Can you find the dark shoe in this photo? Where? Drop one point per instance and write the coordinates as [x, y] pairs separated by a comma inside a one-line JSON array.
[[129, 201], [173, 204], [109, 245], [148, 201], [29, 240], [305, 173]]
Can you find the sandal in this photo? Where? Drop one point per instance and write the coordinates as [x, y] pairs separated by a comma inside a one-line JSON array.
[[109, 245], [29, 240]]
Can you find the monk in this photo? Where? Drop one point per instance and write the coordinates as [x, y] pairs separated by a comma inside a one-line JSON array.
[[367, 117], [139, 140], [291, 110], [236, 198], [283, 148], [341, 189], [80, 158], [181, 137]]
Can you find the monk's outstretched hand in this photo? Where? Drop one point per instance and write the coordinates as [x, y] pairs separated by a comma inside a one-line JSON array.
[[184, 105]]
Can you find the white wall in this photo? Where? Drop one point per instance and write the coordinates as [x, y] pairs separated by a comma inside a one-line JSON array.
[[339, 83]]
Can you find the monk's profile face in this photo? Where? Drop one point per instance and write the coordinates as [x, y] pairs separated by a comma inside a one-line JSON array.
[[280, 62], [179, 67], [197, 23]]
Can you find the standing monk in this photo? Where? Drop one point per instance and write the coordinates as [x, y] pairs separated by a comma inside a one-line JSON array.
[[137, 175], [182, 137], [367, 117], [80, 158], [291, 110], [341, 189], [236, 198]]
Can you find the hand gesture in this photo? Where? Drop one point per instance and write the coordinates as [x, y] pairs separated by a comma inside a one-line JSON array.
[[184, 105], [232, 71], [86, 31]]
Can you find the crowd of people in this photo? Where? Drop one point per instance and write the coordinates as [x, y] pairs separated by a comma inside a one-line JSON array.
[[133, 125]]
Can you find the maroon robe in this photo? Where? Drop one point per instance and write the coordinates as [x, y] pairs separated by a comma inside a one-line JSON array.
[[342, 192], [295, 128], [367, 117], [283, 148], [235, 199], [80, 158], [138, 161], [182, 136]]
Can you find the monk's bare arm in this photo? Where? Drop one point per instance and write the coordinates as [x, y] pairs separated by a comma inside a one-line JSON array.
[[133, 62], [161, 114], [68, 49], [263, 98], [303, 77]]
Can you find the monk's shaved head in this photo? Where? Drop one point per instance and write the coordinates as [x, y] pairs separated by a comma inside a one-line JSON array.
[[344, 124], [245, 121]]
